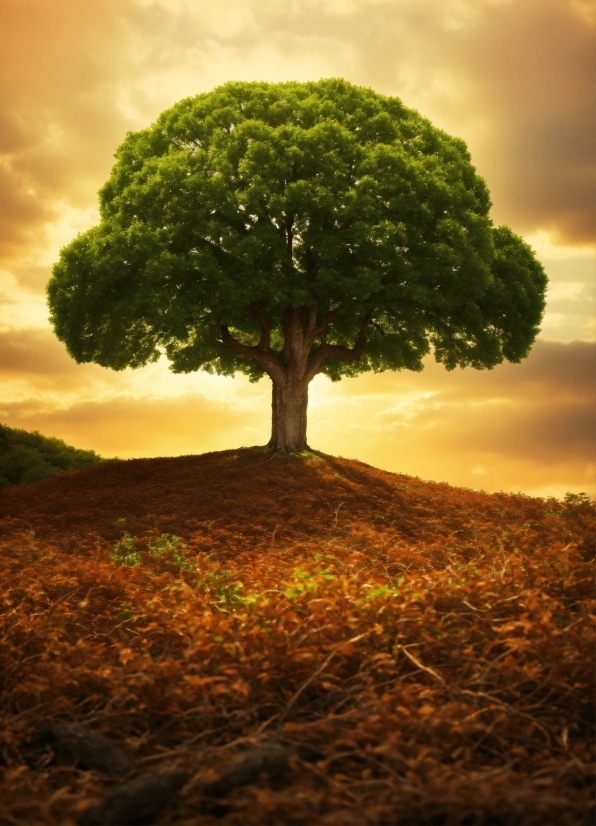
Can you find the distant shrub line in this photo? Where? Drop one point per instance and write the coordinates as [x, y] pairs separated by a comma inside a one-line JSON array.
[[30, 457]]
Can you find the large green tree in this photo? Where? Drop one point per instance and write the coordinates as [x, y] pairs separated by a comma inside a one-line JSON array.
[[293, 229]]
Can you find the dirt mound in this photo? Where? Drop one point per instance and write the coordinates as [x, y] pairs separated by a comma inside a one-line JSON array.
[[294, 641], [242, 500]]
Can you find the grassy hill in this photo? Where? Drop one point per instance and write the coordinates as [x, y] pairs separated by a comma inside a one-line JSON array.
[[226, 639], [29, 457]]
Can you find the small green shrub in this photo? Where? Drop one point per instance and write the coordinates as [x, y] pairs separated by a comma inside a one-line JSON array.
[[228, 594], [167, 547], [307, 581], [125, 551], [170, 548]]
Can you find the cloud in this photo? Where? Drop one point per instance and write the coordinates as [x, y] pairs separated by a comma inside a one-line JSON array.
[[533, 64], [59, 65], [511, 77], [528, 426], [133, 427], [552, 370], [37, 357], [33, 352]]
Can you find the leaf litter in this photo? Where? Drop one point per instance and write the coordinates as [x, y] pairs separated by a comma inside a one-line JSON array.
[[213, 639]]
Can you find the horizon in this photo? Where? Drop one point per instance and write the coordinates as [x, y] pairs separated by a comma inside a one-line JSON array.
[[75, 80]]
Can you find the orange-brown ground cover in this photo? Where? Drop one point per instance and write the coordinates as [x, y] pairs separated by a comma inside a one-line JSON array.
[[334, 644]]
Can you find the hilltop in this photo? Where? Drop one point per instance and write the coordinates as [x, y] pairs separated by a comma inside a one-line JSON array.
[[231, 639], [244, 501]]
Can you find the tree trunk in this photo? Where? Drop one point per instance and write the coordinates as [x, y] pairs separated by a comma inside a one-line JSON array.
[[273, 440], [292, 369], [288, 419]]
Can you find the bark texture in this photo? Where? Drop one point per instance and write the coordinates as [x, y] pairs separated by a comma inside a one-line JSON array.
[[288, 417], [292, 369]]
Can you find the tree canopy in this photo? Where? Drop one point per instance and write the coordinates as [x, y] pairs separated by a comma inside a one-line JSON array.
[[257, 213]]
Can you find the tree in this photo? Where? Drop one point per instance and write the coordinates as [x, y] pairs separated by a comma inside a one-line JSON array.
[[290, 229]]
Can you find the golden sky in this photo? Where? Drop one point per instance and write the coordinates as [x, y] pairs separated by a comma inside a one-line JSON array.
[[512, 77]]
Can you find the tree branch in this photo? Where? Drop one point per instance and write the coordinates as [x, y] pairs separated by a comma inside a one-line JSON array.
[[267, 359], [326, 351], [290, 235], [311, 261], [321, 330], [256, 311], [311, 324]]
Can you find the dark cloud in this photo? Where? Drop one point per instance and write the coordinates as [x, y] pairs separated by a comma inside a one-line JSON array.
[[529, 425], [59, 124], [533, 66], [553, 370], [32, 278], [33, 352], [563, 431], [37, 356]]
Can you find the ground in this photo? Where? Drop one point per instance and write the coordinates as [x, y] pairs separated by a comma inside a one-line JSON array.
[[230, 638]]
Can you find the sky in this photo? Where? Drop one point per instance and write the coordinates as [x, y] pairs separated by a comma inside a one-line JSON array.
[[513, 78]]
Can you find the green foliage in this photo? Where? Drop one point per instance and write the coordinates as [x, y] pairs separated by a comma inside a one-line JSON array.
[[575, 506], [170, 548], [167, 547], [216, 584], [125, 551], [295, 194], [303, 581], [29, 457], [383, 591]]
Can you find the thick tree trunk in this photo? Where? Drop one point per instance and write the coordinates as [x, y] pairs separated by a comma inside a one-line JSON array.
[[288, 415], [294, 367]]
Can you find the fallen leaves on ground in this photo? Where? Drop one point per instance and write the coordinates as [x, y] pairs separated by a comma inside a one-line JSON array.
[[294, 642]]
